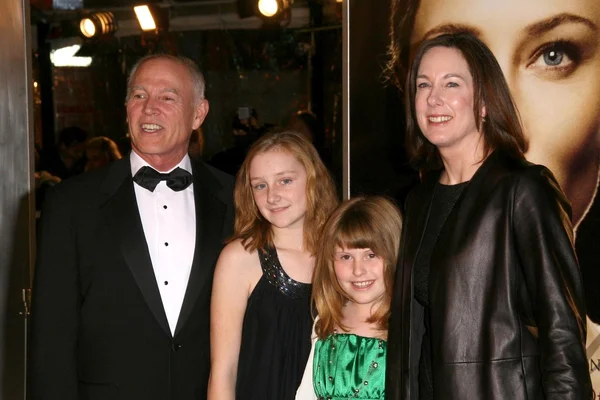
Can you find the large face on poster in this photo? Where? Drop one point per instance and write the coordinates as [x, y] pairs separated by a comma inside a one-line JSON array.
[[549, 51], [550, 55]]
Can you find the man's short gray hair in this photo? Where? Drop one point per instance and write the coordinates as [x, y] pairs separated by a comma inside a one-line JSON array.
[[190, 65]]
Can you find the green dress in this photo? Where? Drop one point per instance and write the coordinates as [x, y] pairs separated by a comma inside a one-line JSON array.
[[348, 366]]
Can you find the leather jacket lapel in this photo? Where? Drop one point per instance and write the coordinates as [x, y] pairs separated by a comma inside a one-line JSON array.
[[399, 350]]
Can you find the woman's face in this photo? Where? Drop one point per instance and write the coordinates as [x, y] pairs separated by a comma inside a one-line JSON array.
[[444, 101], [549, 51]]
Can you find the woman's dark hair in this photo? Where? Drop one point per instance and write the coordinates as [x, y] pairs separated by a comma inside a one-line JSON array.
[[502, 127]]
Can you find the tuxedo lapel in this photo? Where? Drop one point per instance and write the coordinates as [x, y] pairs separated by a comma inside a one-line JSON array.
[[123, 218], [210, 214]]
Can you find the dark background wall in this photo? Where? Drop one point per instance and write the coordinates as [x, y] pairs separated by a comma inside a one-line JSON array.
[[378, 164]]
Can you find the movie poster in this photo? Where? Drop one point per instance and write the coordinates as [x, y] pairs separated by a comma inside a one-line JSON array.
[[549, 51]]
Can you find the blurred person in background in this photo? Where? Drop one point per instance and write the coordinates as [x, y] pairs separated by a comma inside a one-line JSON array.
[[307, 123], [246, 129], [43, 181], [100, 151], [66, 159]]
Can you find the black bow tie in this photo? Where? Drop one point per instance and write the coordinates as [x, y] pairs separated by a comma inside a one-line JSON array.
[[148, 177]]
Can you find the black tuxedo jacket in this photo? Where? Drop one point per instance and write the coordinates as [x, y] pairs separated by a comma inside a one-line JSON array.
[[99, 330]]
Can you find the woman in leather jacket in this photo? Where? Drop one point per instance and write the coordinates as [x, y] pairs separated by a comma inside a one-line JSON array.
[[488, 301]]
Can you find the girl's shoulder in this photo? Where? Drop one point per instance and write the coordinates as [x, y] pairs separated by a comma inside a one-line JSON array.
[[235, 249], [234, 254]]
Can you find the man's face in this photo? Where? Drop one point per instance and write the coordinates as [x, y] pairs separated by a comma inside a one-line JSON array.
[[162, 111]]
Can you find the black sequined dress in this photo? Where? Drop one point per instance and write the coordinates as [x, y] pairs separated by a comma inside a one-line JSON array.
[[275, 335]]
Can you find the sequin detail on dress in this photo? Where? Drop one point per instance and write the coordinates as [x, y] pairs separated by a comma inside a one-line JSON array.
[[279, 278]]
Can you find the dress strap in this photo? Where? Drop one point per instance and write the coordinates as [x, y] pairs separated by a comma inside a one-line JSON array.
[[277, 276]]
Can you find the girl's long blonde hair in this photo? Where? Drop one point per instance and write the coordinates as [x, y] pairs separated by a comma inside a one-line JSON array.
[[371, 222], [321, 198]]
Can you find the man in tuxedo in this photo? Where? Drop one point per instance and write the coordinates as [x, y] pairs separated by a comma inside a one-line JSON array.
[[126, 256]]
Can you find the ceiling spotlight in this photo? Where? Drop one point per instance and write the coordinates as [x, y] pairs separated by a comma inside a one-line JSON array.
[[144, 17], [151, 18], [98, 24], [274, 10], [87, 27], [268, 8]]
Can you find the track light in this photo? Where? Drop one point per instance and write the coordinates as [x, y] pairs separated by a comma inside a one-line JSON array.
[[151, 18], [98, 24], [144, 17], [269, 10], [273, 9]]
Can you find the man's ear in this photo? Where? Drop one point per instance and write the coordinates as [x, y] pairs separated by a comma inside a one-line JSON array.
[[200, 113]]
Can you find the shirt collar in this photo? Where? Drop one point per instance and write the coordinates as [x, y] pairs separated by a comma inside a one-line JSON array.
[[138, 162]]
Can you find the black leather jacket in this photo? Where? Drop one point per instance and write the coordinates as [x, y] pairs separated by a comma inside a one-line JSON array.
[[506, 298]]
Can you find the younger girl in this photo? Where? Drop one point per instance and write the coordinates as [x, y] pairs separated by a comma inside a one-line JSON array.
[[352, 290], [260, 312]]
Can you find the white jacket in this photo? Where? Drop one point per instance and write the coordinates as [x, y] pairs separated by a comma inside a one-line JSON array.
[[306, 390]]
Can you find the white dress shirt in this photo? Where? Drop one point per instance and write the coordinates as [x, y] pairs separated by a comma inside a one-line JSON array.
[[169, 222]]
